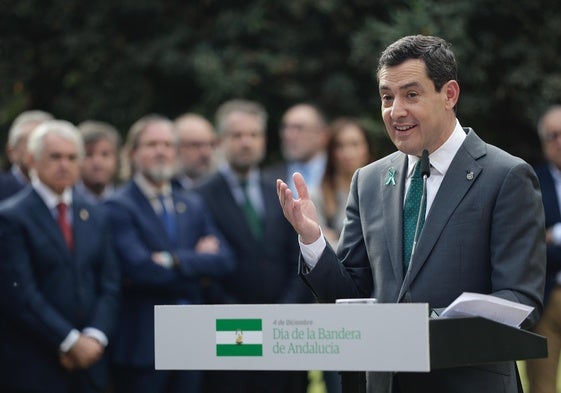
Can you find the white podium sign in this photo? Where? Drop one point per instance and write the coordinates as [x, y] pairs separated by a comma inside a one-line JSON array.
[[339, 337]]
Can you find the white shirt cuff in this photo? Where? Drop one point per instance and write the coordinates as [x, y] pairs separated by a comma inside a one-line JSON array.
[[312, 252], [97, 334], [556, 234], [70, 340]]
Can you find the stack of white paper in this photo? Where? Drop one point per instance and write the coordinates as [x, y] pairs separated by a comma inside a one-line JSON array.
[[487, 306]]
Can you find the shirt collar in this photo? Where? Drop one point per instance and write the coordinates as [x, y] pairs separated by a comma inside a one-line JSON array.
[[441, 158], [50, 198], [555, 173], [91, 197], [149, 190], [317, 163], [18, 174], [233, 179]]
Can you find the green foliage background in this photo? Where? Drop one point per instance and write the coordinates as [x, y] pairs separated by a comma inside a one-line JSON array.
[[119, 60]]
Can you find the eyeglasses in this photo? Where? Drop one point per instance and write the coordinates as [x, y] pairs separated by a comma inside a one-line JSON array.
[[552, 136], [198, 145], [298, 127]]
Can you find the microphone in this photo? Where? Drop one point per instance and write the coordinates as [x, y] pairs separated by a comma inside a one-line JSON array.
[[425, 173]]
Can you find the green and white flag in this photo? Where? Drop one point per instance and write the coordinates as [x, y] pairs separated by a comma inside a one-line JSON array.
[[239, 337]]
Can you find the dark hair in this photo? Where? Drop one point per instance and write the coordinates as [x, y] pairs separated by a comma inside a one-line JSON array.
[[435, 52], [328, 182]]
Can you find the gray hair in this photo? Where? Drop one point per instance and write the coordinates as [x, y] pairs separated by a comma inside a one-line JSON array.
[[94, 130], [22, 120], [133, 137], [62, 128], [249, 107]]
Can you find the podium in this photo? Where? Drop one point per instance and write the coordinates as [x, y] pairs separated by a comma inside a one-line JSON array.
[[352, 339], [468, 341]]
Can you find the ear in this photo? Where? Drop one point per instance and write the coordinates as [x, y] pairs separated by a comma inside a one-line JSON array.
[[452, 90], [10, 153], [30, 159]]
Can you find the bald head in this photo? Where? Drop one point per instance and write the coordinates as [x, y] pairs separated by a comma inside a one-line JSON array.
[[304, 133], [197, 140]]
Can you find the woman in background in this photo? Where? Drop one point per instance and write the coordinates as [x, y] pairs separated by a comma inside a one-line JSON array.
[[350, 147]]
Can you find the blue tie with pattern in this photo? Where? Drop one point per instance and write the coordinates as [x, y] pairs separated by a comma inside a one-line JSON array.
[[168, 220]]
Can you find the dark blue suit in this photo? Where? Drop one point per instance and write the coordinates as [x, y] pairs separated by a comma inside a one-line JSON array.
[[9, 185], [267, 270], [266, 273], [46, 290], [139, 232], [552, 217]]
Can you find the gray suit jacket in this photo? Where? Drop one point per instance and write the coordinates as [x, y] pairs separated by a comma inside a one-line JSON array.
[[484, 233]]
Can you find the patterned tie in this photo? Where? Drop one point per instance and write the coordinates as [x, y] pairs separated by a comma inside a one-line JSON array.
[[168, 220], [411, 213], [253, 218], [64, 225]]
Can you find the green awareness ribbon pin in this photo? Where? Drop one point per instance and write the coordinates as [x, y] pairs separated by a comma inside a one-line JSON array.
[[391, 177]]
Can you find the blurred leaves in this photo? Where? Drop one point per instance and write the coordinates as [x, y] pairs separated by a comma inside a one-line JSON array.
[[116, 61]]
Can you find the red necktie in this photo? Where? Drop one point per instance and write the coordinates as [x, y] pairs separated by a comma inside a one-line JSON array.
[[64, 225]]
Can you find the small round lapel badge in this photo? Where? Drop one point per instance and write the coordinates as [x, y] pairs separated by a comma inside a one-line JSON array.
[[84, 215], [180, 207]]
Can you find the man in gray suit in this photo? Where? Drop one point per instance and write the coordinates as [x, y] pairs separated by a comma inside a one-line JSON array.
[[484, 222]]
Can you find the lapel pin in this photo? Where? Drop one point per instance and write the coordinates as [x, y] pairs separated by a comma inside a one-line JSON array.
[[180, 207], [84, 214], [391, 177], [469, 175]]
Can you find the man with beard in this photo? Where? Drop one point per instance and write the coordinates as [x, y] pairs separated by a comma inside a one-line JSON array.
[[166, 243], [245, 208], [197, 142]]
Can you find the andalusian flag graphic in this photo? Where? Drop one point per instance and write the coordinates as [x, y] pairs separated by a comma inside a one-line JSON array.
[[239, 337]]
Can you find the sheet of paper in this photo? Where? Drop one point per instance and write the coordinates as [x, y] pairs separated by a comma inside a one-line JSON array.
[[487, 306]]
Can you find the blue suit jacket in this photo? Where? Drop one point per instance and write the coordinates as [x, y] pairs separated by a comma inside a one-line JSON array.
[[9, 185], [552, 217], [46, 290], [138, 232], [484, 233], [266, 271]]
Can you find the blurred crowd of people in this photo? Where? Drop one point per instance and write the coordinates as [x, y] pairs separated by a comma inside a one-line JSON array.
[[95, 232]]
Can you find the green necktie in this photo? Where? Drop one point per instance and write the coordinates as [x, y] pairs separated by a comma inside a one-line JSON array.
[[411, 213], [253, 218]]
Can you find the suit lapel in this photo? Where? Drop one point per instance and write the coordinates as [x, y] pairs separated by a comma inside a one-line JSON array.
[[393, 211], [460, 177], [81, 215], [46, 221], [181, 219], [270, 204], [144, 205], [243, 230]]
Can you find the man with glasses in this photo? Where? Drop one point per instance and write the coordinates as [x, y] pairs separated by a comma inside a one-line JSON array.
[[304, 135], [197, 142]]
